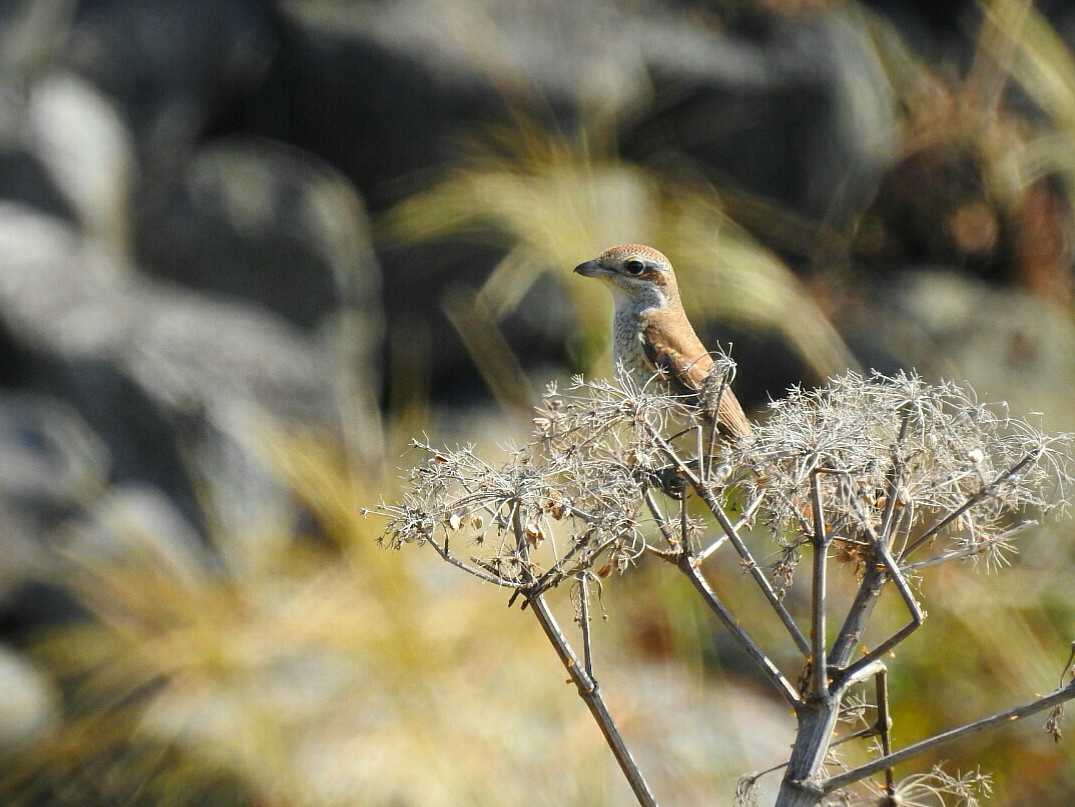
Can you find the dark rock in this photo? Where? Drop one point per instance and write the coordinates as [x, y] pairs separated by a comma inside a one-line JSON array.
[[163, 375], [31, 34], [25, 180], [810, 128], [80, 139], [262, 222], [52, 466], [387, 90], [171, 67]]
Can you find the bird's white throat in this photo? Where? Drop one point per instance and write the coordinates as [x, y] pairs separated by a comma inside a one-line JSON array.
[[638, 300]]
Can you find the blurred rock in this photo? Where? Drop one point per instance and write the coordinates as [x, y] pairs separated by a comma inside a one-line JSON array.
[[386, 93], [186, 350], [31, 33], [49, 454], [251, 220], [810, 127], [87, 151], [260, 221], [29, 705], [392, 94], [52, 466], [138, 521], [155, 369], [1008, 344], [24, 179], [170, 66]]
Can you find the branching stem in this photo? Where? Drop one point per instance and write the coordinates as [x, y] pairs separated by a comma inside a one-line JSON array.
[[488, 577], [999, 719], [917, 615], [707, 496], [583, 680], [591, 695], [768, 668]]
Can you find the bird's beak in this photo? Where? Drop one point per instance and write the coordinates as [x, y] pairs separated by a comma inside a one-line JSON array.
[[589, 269]]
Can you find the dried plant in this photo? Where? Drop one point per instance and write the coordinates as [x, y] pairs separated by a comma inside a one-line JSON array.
[[885, 475]]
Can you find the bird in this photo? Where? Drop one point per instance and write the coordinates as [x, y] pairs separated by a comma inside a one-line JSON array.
[[650, 331]]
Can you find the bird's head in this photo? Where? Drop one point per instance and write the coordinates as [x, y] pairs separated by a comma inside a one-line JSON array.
[[635, 273]]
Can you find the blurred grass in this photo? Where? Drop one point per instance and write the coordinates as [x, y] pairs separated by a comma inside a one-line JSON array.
[[552, 200]]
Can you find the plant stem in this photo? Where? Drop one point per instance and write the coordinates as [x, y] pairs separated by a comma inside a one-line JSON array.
[[857, 616], [755, 571], [884, 727], [591, 695], [818, 605], [917, 615], [817, 717], [817, 721], [706, 493], [583, 680], [999, 719], [584, 619], [768, 668]]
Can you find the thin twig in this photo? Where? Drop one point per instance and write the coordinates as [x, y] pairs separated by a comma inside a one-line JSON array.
[[584, 617], [703, 466], [709, 550], [481, 575], [673, 456], [668, 555], [684, 525], [658, 516], [768, 668], [999, 719], [869, 731], [818, 605], [584, 682], [870, 671], [716, 418], [717, 543], [884, 726], [857, 615], [972, 551], [757, 573], [896, 476], [1068, 665], [917, 615], [591, 695], [744, 552], [986, 491], [557, 574]]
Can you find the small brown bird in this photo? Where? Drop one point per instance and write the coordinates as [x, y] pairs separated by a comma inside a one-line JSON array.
[[650, 329]]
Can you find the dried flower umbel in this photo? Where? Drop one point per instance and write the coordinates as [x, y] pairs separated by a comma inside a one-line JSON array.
[[888, 475]]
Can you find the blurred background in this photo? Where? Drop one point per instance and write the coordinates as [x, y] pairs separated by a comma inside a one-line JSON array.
[[248, 248]]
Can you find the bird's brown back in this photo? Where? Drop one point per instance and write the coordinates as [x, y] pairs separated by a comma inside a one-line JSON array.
[[674, 348]]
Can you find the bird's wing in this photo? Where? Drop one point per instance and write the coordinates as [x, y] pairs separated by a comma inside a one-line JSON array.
[[686, 364], [730, 415]]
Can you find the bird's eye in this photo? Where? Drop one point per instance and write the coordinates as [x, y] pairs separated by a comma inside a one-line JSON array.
[[634, 267]]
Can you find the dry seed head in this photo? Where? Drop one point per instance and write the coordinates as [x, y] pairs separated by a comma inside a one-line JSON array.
[[599, 444]]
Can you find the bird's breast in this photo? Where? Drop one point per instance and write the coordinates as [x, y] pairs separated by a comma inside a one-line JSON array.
[[627, 347]]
